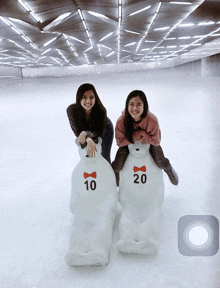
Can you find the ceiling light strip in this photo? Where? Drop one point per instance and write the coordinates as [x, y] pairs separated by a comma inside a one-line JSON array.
[[108, 35], [106, 47], [85, 25], [56, 60], [177, 24], [119, 29], [98, 45], [46, 51], [195, 42], [19, 32], [180, 3], [132, 32], [50, 41], [70, 45], [28, 9], [87, 59], [110, 54], [62, 55], [152, 20], [141, 10]]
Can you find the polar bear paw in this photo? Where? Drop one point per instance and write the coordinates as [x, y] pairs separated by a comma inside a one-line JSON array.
[[137, 247], [92, 258]]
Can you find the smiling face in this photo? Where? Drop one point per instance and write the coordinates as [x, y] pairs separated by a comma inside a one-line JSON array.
[[136, 108], [88, 101]]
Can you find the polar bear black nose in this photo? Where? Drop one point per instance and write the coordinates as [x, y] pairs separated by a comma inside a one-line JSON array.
[[137, 149]]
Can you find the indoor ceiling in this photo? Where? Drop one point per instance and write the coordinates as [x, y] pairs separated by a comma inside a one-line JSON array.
[[44, 33]]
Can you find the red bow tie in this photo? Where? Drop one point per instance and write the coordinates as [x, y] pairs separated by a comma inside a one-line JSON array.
[[93, 174], [143, 169]]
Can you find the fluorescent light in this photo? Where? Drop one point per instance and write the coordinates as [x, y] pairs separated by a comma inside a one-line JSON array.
[[46, 51], [149, 41], [50, 41], [113, 52], [119, 12], [184, 37], [126, 51], [97, 14], [173, 38], [63, 16], [199, 36], [80, 14], [108, 35], [132, 32], [174, 46], [158, 8], [186, 25], [28, 9], [181, 3], [90, 48], [106, 47], [15, 29], [206, 23], [130, 44], [141, 10], [162, 28], [74, 38], [214, 35], [145, 49]]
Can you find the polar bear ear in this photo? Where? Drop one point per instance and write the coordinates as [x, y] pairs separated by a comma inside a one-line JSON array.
[[76, 141], [130, 147]]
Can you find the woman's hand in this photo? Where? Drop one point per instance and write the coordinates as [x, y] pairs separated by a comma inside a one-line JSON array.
[[137, 136], [140, 136], [91, 147], [82, 137]]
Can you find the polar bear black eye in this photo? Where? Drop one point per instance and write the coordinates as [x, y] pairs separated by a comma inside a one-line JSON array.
[[137, 149]]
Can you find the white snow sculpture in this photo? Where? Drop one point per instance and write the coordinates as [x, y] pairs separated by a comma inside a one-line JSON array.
[[94, 205], [141, 194]]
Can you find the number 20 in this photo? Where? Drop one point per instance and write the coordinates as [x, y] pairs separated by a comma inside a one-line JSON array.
[[143, 178]]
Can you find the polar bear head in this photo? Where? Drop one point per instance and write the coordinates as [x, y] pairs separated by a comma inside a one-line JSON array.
[[83, 152], [138, 149]]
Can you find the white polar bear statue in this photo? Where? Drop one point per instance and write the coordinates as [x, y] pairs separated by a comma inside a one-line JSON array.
[[141, 194], [94, 205]]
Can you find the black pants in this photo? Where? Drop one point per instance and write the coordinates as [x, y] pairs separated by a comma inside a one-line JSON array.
[[107, 141], [155, 151]]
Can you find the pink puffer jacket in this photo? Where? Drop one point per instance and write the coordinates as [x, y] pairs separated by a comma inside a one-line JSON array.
[[149, 133]]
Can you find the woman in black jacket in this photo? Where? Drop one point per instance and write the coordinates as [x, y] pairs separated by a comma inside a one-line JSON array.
[[88, 120]]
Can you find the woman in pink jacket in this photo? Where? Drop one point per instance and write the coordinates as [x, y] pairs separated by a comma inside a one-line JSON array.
[[138, 124]]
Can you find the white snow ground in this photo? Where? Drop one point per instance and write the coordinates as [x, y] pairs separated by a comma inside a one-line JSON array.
[[38, 154]]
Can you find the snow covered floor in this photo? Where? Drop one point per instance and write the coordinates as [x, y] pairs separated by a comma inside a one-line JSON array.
[[37, 157]]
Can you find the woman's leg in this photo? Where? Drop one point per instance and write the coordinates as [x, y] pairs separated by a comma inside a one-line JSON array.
[[120, 158], [107, 141], [163, 163], [119, 161]]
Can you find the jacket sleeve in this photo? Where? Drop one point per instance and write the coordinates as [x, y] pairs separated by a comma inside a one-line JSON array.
[[72, 119], [152, 133], [121, 140]]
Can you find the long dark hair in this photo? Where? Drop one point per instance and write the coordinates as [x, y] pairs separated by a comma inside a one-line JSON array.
[[98, 116], [128, 120]]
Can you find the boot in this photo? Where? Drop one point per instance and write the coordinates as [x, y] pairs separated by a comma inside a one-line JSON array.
[[174, 179]]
